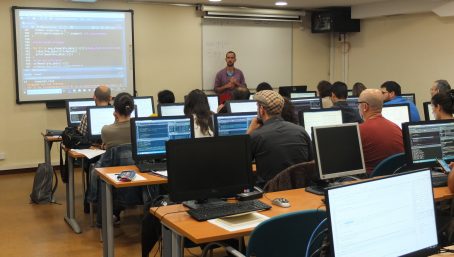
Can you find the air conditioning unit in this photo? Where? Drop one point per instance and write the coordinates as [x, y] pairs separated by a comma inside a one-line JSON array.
[[243, 13]]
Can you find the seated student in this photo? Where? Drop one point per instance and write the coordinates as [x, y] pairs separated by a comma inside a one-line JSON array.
[[102, 97], [239, 93], [276, 144], [263, 86], [392, 95], [288, 112], [166, 97], [357, 88], [443, 105], [339, 93], [440, 86], [380, 137], [324, 92], [196, 104]]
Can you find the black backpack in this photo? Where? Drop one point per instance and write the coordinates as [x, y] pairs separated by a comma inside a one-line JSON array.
[[42, 190], [73, 139]]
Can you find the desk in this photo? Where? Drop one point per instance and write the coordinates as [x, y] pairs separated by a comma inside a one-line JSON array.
[[107, 208], [70, 217], [176, 226], [48, 141]]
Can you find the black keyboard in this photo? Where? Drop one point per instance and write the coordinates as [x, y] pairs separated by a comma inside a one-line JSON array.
[[149, 166], [439, 179], [226, 209]]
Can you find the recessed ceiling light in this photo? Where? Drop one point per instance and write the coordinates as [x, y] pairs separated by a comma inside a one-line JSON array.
[[215, 0], [281, 3]]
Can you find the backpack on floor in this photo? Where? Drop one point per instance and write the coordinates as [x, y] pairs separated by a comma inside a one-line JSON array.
[[43, 191]]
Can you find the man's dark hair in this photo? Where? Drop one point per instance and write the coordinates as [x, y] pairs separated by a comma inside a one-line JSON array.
[[324, 88], [230, 52], [241, 93], [288, 112], [124, 104], [103, 94], [357, 88], [392, 86], [443, 86], [340, 90], [445, 101], [166, 97], [263, 86]]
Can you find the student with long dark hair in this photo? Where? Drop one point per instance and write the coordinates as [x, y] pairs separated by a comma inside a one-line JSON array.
[[443, 105], [196, 104]]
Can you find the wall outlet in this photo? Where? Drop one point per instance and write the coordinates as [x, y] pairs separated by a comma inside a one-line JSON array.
[[2, 155]]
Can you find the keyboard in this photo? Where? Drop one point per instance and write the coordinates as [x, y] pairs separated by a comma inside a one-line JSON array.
[[226, 209], [439, 179], [149, 166]]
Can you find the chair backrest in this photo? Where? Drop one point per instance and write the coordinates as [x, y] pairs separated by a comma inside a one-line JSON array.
[[285, 235], [389, 165], [120, 155], [296, 176]]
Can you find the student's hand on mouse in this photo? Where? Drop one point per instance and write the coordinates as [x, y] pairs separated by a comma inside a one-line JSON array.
[[255, 124]]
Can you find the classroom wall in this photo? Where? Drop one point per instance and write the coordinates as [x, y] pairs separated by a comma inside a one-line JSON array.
[[413, 50], [168, 54]]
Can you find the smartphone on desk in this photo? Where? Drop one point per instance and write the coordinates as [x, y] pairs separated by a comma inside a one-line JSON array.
[[444, 165]]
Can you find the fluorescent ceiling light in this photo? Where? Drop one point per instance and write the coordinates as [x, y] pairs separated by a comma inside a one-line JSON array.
[[215, 0], [281, 3]]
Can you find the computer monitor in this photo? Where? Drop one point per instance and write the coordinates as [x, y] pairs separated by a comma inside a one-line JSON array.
[[390, 216], [353, 102], [397, 113], [213, 101], [307, 103], [317, 118], [409, 97], [144, 106], [175, 109], [287, 90], [425, 141], [204, 168], [75, 109], [428, 111], [149, 135], [349, 92], [97, 118], [251, 96], [338, 150], [303, 94], [241, 106], [230, 124]]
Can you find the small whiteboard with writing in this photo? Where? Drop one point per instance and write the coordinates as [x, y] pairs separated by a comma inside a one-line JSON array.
[[263, 50]]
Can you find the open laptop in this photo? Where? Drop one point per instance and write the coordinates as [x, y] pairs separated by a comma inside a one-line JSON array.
[[149, 136]]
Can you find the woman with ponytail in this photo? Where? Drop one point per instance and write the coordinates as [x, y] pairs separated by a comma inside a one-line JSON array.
[[443, 105]]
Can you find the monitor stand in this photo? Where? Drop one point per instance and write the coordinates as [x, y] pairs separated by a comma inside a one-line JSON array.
[[195, 204], [320, 187]]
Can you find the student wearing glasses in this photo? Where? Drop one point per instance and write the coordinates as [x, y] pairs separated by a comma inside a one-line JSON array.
[[392, 95], [380, 137]]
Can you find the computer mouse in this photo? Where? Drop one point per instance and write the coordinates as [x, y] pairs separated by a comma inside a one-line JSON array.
[[281, 202]]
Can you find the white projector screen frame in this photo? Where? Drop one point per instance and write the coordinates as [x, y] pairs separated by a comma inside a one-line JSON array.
[[66, 53], [263, 50]]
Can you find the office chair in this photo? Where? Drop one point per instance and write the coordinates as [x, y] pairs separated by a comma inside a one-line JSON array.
[[296, 176], [389, 166], [286, 235]]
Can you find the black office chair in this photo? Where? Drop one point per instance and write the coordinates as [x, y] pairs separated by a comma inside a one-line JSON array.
[[296, 176]]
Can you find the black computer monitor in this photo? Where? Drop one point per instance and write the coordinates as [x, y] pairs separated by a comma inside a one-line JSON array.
[[149, 135], [287, 90], [409, 97], [204, 168], [75, 109], [306, 103], [241, 106], [303, 94], [338, 150], [213, 101], [428, 111], [144, 106], [425, 141], [175, 109], [321, 117], [230, 124], [391, 216], [97, 118], [397, 113]]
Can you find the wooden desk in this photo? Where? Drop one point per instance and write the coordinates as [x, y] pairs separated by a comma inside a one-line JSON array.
[[106, 192], [176, 226], [48, 141]]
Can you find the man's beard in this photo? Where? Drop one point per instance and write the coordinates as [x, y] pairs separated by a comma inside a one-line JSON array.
[[230, 64]]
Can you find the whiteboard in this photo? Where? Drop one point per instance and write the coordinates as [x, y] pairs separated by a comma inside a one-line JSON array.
[[263, 51]]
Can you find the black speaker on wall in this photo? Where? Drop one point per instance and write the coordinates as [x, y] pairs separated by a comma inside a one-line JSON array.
[[337, 19]]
